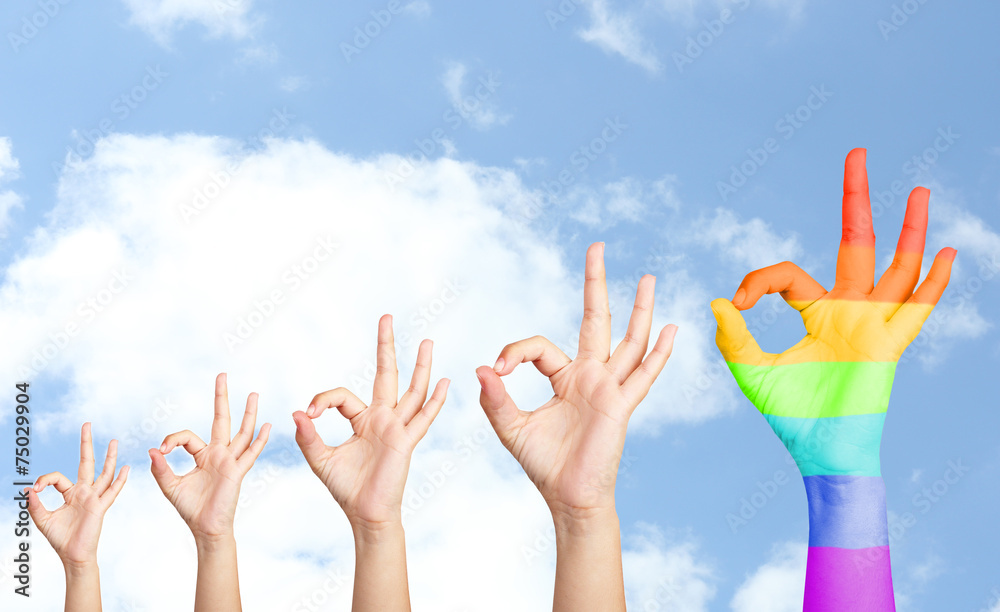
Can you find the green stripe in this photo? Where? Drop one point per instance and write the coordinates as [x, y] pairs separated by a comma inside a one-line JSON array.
[[818, 388]]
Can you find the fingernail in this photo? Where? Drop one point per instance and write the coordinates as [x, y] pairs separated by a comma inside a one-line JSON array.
[[163, 447], [482, 383], [740, 296], [498, 366], [310, 410]]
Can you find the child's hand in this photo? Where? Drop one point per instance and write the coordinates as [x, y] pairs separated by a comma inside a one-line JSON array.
[[571, 446], [206, 497], [367, 473], [74, 528]]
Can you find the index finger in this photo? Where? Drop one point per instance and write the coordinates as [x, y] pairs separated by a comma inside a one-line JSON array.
[[220, 424], [386, 375], [595, 330], [856, 258]]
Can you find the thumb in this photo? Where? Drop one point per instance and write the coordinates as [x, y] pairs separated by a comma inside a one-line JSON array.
[[39, 514], [162, 473], [734, 340], [497, 403], [308, 439]]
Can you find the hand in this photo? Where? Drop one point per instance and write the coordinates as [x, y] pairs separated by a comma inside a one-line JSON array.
[[74, 528], [206, 497], [855, 334], [367, 473], [570, 447]]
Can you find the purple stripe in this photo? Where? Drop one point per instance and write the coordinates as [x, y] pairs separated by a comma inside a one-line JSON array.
[[840, 579]]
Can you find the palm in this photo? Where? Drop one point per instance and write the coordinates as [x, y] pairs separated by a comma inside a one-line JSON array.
[[206, 497], [367, 474], [571, 446], [75, 527]]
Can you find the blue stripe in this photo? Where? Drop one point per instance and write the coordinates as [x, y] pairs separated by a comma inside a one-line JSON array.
[[845, 445], [846, 511]]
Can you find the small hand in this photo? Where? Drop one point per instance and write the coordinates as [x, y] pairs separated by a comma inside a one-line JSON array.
[[367, 473], [74, 528], [571, 446], [206, 497]]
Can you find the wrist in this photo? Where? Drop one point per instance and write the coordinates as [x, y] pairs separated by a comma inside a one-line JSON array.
[[846, 512], [208, 544], [368, 536], [583, 522], [376, 532], [77, 568]]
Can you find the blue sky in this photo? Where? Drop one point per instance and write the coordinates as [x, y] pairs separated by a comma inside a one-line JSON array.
[[644, 140]]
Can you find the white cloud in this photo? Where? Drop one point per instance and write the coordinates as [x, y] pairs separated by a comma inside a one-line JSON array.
[[996, 604], [258, 55], [9, 170], [751, 244], [911, 581], [417, 250], [662, 576], [222, 18], [956, 227], [291, 84], [686, 11], [776, 586], [627, 199], [476, 103], [617, 33], [421, 8]]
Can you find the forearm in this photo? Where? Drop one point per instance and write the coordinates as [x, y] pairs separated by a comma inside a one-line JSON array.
[[380, 582], [83, 587], [588, 562], [848, 564], [218, 588]]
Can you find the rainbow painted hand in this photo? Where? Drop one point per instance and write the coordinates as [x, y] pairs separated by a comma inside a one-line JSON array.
[[826, 397]]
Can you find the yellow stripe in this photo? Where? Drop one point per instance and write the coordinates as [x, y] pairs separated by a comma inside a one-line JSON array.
[[845, 330]]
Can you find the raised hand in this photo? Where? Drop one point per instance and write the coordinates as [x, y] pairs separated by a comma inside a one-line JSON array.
[[826, 397], [571, 446], [855, 333], [206, 497], [367, 473], [74, 528]]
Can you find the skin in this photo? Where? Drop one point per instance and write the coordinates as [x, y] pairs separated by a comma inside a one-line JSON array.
[[367, 474], [206, 497], [571, 446], [857, 318], [74, 528]]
